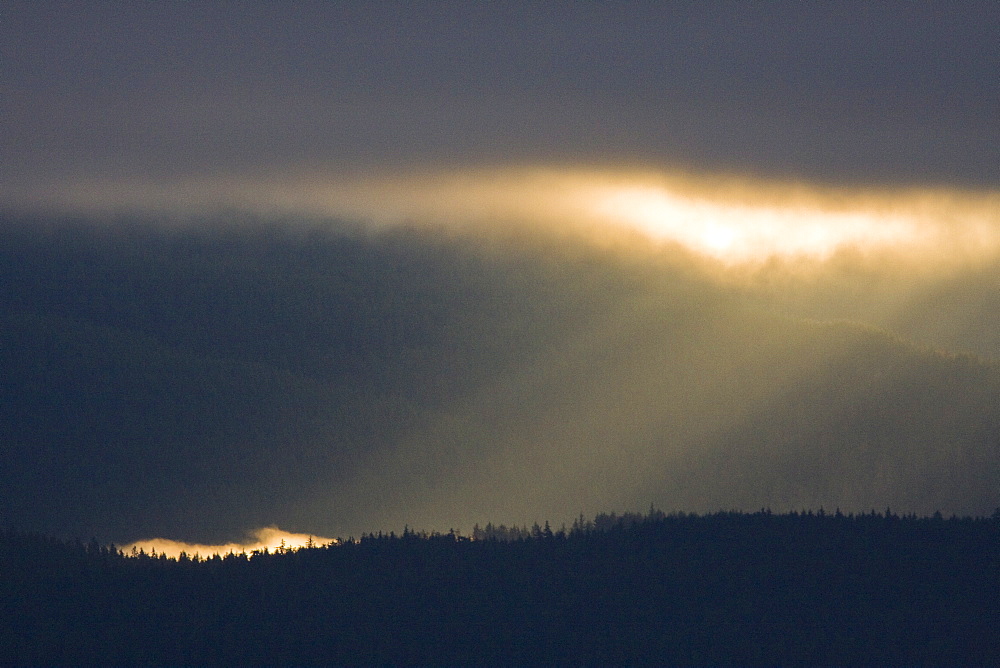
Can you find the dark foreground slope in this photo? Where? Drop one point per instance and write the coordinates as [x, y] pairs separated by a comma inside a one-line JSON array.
[[721, 589]]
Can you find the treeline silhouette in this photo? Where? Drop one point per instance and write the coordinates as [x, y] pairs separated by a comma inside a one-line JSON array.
[[728, 588]]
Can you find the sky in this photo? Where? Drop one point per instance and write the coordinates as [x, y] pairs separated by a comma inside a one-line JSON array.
[[513, 261], [846, 92]]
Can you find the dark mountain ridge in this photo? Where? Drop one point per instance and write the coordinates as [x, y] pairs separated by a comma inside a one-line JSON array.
[[809, 588]]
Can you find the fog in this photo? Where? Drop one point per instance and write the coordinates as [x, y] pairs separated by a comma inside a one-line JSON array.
[[268, 539], [438, 350]]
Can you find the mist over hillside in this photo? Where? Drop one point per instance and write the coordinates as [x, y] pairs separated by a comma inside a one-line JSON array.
[[198, 380]]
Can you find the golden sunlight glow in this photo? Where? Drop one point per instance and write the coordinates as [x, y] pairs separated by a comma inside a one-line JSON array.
[[267, 539], [743, 231], [731, 219]]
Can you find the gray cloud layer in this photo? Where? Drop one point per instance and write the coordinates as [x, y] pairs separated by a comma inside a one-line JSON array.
[[842, 91]]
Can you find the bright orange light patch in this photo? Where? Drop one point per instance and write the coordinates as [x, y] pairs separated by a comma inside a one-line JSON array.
[[267, 539], [739, 231]]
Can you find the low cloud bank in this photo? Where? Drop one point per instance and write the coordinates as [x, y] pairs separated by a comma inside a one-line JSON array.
[[733, 218]]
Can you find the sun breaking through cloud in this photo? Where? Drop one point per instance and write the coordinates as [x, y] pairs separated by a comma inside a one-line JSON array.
[[738, 232], [729, 218]]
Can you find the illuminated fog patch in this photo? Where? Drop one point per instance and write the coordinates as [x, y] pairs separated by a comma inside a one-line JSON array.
[[267, 539]]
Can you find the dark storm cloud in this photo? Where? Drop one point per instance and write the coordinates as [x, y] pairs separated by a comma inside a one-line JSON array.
[[838, 91]]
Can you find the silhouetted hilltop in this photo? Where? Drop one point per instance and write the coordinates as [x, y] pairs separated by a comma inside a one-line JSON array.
[[722, 589]]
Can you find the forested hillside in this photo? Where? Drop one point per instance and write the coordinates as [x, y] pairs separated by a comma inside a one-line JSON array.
[[198, 379], [721, 589]]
